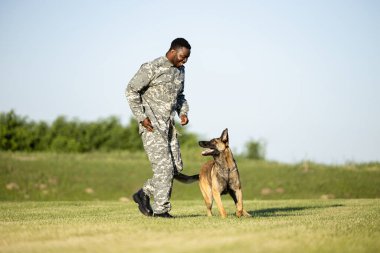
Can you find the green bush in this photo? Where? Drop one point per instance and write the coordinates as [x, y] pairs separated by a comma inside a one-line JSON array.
[[14, 132], [19, 134], [65, 144], [255, 150]]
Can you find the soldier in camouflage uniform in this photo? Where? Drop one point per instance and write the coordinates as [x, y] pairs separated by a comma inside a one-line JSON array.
[[155, 94]]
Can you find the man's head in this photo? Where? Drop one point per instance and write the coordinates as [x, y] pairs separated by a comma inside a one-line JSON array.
[[179, 52]]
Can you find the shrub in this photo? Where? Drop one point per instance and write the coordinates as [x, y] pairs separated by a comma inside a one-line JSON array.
[[255, 150], [63, 135]]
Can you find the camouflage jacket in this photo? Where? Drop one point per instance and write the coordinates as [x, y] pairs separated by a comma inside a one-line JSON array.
[[156, 91]]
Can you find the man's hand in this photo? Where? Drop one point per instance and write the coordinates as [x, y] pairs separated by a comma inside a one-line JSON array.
[[184, 120], [147, 124]]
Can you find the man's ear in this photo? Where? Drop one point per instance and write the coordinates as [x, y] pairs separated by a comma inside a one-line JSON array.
[[224, 136]]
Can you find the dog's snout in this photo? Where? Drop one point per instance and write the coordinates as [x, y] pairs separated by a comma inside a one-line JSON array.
[[202, 143]]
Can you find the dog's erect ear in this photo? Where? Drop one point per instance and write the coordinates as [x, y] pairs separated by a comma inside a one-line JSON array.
[[224, 136]]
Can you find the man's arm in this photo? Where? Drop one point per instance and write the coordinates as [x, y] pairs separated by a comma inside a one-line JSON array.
[[137, 84], [182, 108]]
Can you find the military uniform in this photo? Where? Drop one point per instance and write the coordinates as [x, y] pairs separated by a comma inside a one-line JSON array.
[[156, 92]]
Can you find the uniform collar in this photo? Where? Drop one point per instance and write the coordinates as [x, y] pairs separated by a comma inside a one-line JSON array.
[[166, 62]]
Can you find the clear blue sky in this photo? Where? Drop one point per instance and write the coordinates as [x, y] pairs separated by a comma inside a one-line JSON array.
[[303, 76]]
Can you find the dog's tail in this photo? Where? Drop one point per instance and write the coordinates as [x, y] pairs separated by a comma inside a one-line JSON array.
[[185, 178]]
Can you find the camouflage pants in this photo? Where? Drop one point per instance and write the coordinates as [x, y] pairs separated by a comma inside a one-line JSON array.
[[164, 155]]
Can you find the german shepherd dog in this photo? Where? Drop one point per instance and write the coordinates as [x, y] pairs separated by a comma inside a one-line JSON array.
[[219, 176]]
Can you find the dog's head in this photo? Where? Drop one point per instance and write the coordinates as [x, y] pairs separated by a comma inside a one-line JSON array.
[[216, 145]]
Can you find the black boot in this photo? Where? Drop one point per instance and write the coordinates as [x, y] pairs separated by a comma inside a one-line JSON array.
[[143, 201], [163, 215]]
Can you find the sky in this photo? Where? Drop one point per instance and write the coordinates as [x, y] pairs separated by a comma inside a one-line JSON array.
[[301, 77]]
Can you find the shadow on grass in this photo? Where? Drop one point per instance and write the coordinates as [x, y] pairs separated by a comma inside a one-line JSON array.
[[189, 216], [285, 211]]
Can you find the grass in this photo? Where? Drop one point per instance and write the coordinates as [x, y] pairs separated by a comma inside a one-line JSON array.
[[338, 225], [81, 203], [111, 176]]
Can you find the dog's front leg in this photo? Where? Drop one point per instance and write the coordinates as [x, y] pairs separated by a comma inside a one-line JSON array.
[[218, 200], [239, 204]]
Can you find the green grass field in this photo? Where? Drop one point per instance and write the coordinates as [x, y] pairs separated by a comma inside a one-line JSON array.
[[111, 226], [111, 176], [81, 203]]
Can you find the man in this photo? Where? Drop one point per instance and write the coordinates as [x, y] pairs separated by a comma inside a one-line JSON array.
[[155, 94]]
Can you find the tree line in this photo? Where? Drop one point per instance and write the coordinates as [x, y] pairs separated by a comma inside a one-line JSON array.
[[18, 133]]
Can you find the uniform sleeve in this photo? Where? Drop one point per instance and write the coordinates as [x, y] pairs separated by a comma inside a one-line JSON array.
[[134, 89], [182, 106]]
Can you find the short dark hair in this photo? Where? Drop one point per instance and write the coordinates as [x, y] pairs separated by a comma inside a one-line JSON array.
[[178, 43]]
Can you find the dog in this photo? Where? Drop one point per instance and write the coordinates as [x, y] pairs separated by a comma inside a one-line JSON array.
[[218, 176]]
